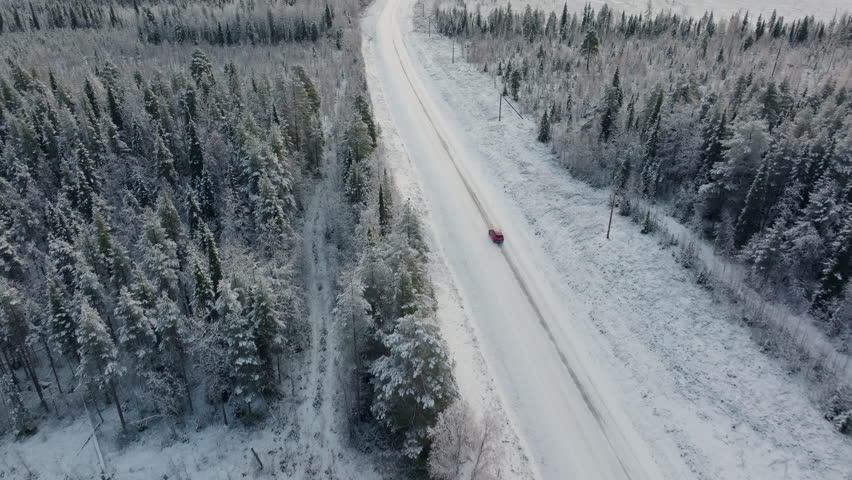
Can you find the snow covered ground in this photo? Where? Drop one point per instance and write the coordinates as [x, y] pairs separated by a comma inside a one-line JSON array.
[[606, 356], [789, 9]]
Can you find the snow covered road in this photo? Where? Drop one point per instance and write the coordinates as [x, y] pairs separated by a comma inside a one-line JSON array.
[[570, 430]]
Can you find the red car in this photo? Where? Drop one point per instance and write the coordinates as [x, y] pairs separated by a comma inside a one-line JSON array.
[[495, 234]]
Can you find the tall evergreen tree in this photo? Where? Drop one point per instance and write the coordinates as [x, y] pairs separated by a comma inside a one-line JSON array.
[[15, 331], [590, 46], [99, 367], [62, 326], [240, 334], [21, 418], [136, 333], [412, 383], [270, 336], [544, 129], [612, 104]]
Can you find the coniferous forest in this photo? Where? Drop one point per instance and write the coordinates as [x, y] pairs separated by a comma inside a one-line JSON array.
[[159, 164], [740, 128]]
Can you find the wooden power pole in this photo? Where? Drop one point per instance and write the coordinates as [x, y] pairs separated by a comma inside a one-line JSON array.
[[611, 209]]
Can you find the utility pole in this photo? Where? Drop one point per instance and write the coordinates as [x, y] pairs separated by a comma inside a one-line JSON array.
[[454, 49], [500, 109], [611, 209], [430, 27]]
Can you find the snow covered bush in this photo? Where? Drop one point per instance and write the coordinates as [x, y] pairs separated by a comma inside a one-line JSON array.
[[839, 410]]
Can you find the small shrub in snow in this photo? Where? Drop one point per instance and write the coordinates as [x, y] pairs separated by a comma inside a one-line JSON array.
[[649, 225], [624, 207], [688, 257], [839, 410]]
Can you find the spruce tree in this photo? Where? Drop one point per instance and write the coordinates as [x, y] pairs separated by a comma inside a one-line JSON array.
[[161, 256], [193, 214], [364, 111], [99, 367], [712, 148], [114, 110], [62, 326], [327, 17], [240, 334], [651, 162], [15, 330], [412, 383], [270, 216], [136, 333], [89, 90], [170, 220], [544, 129], [563, 23], [613, 99], [772, 104], [165, 162], [143, 290], [171, 332], [270, 332], [214, 264], [206, 196], [22, 421], [11, 263], [377, 278], [196, 155], [515, 84], [203, 294], [384, 209]]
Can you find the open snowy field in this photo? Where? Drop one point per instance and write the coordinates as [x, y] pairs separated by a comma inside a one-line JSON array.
[[789, 9], [671, 367]]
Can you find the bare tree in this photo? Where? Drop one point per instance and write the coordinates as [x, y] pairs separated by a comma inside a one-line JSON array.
[[463, 446]]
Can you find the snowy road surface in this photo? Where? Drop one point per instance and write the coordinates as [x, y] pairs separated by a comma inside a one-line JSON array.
[[569, 428]]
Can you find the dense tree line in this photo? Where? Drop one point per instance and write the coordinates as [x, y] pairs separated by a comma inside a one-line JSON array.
[[36, 16], [269, 22], [401, 372], [149, 220], [217, 23], [741, 127], [150, 214]]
